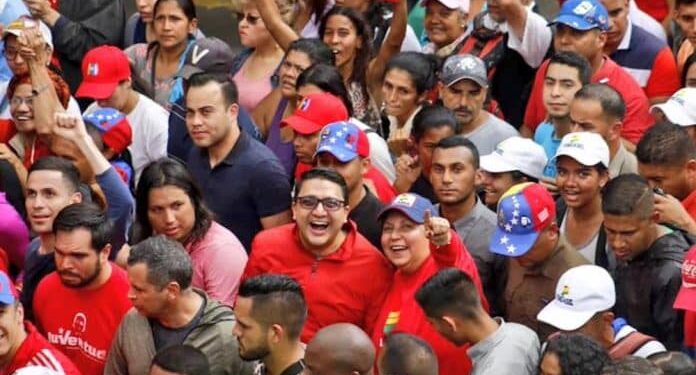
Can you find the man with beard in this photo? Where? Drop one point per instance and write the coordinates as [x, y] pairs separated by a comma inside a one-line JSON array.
[[79, 306], [271, 312]]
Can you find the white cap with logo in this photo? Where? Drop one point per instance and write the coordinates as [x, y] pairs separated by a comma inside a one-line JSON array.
[[581, 292], [516, 154], [680, 109], [586, 148]]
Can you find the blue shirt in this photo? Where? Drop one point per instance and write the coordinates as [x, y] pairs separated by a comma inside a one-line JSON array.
[[545, 135], [249, 184]]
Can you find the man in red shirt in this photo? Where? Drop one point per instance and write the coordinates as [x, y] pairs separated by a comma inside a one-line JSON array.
[[80, 306], [686, 300], [23, 345], [343, 276], [581, 27]]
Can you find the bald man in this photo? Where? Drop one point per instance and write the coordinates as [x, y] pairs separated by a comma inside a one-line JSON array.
[[406, 354], [340, 349]]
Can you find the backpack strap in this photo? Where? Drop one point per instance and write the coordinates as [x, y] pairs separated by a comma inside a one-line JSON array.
[[629, 344]]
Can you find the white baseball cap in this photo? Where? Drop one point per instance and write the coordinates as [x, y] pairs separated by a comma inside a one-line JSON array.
[[680, 109], [516, 154], [451, 4], [581, 292], [15, 28], [586, 148]]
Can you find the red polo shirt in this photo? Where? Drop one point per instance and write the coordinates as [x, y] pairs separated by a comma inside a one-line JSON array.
[[689, 204]]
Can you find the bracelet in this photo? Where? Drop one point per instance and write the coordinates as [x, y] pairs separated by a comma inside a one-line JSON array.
[[36, 92]]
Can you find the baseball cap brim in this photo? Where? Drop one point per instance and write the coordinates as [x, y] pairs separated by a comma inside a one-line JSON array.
[[510, 244], [301, 125], [449, 4], [477, 80], [574, 22], [494, 163], [563, 318], [187, 71], [95, 90], [343, 157], [686, 299], [7, 299], [394, 207], [675, 113], [579, 156], [14, 32]]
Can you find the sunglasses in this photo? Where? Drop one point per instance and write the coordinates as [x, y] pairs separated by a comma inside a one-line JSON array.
[[252, 20], [310, 202]]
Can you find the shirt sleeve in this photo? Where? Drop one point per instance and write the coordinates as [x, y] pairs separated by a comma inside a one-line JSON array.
[[669, 322], [535, 112], [120, 206], [664, 79], [224, 270], [116, 361], [381, 280], [535, 41], [638, 118], [270, 188]]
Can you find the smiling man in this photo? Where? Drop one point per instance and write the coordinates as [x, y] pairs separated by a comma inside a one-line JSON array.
[[324, 252]]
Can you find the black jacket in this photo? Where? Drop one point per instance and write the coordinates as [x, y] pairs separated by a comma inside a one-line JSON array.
[[646, 288]]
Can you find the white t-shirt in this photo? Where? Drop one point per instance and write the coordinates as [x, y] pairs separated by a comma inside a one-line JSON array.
[[150, 126]]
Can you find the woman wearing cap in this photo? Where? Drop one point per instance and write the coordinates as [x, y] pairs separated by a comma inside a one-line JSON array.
[[582, 165], [419, 245], [446, 25]]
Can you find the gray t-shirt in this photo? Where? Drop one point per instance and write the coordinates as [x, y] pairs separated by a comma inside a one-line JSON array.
[[512, 349], [490, 133]]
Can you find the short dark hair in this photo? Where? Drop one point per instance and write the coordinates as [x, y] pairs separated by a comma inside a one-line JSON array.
[[70, 173], [276, 299], [520, 177], [407, 354], [449, 291], [182, 359], [628, 195], [433, 117], [577, 354], [673, 363], [461, 141], [169, 172], [322, 174], [86, 216], [166, 261], [227, 85], [576, 61], [632, 365], [687, 65], [613, 105], [665, 144], [679, 3]]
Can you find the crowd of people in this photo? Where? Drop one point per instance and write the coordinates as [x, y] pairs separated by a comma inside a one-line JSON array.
[[431, 187]]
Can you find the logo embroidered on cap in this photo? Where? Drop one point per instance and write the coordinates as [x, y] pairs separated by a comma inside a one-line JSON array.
[[407, 200], [583, 8], [305, 104], [93, 69], [563, 296]]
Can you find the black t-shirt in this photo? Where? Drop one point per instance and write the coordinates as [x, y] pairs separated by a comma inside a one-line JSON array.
[[365, 216], [165, 337], [423, 188]]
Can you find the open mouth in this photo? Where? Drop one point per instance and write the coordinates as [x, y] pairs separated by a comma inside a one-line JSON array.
[[398, 248], [318, 227]]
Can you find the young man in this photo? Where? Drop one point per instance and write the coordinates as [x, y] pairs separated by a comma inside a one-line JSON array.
[[454, 179], [464, 88], [686, 300], [584, 298], [344, 148], [645, 57], [581, 27], [168, 311], [406, 354], [649, 255], [180, 360], [529, 236], [567, 73], [25, 345], [514, 161], [431, 125], [667, 159], [341, 349], [107, 80], [243, 182], [598, 108], [80, 306], [453, 306], [323, 245], [679, 110], [685, 17], [271, 312]]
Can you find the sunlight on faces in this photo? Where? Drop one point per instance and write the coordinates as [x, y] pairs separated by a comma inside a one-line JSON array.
[[453, 175], [148, 299], [251, 335], [171, 26], [585, 43], [399, 93], [443, 25], [465, 98], [22, 112], [77, 263], [47, 193], [342, 37], [292, 66], [319, 229], [171, 212], [208, 119], [560, 85], [627, 235], [404, 242], [579, 184]]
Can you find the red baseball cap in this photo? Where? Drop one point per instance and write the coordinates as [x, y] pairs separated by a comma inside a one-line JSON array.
[[686, 298], [316, 111], [103, 68]]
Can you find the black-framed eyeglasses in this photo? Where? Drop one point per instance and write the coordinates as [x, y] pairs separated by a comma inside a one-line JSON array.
[[310, 202], [252, 20], [10, 53]]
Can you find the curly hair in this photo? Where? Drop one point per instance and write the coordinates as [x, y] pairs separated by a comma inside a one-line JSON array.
[[578, 354], [61, 87]]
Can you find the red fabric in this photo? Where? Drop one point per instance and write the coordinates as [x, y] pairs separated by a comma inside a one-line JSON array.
[[664, 78], [690, 331], [638, 118], [79, 322], [401, 312], [690, 204], [7, 130], [657, 9], [4, 261], [379, 184], [346, 286], [36, 351]]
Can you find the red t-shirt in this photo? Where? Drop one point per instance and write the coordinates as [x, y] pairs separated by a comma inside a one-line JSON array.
[[689, 204], [690, 332], [347, 286], [638, 118], [36, 351], [657, 9], [664, 77], [81, 322], [401, 312]]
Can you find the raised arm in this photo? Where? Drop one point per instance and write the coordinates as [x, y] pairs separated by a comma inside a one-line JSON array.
[[283, 33], [390, 47]]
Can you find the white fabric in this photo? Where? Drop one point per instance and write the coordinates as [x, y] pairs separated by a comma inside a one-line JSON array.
[[410, 43], [586, 148], [649, 348], [589, 249], [150, 126], [680, 108], [646, 22], [535, 41], [516, 154], [379, 151]]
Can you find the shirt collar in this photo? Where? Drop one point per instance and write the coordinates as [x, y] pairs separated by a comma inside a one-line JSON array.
[[626, 40]]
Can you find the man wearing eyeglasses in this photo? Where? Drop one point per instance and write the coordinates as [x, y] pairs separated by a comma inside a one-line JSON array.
[[343, 276]]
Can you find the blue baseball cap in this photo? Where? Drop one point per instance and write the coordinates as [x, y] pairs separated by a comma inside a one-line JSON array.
[[344, 140], [583, 15], [8, 293], [412, 205]]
